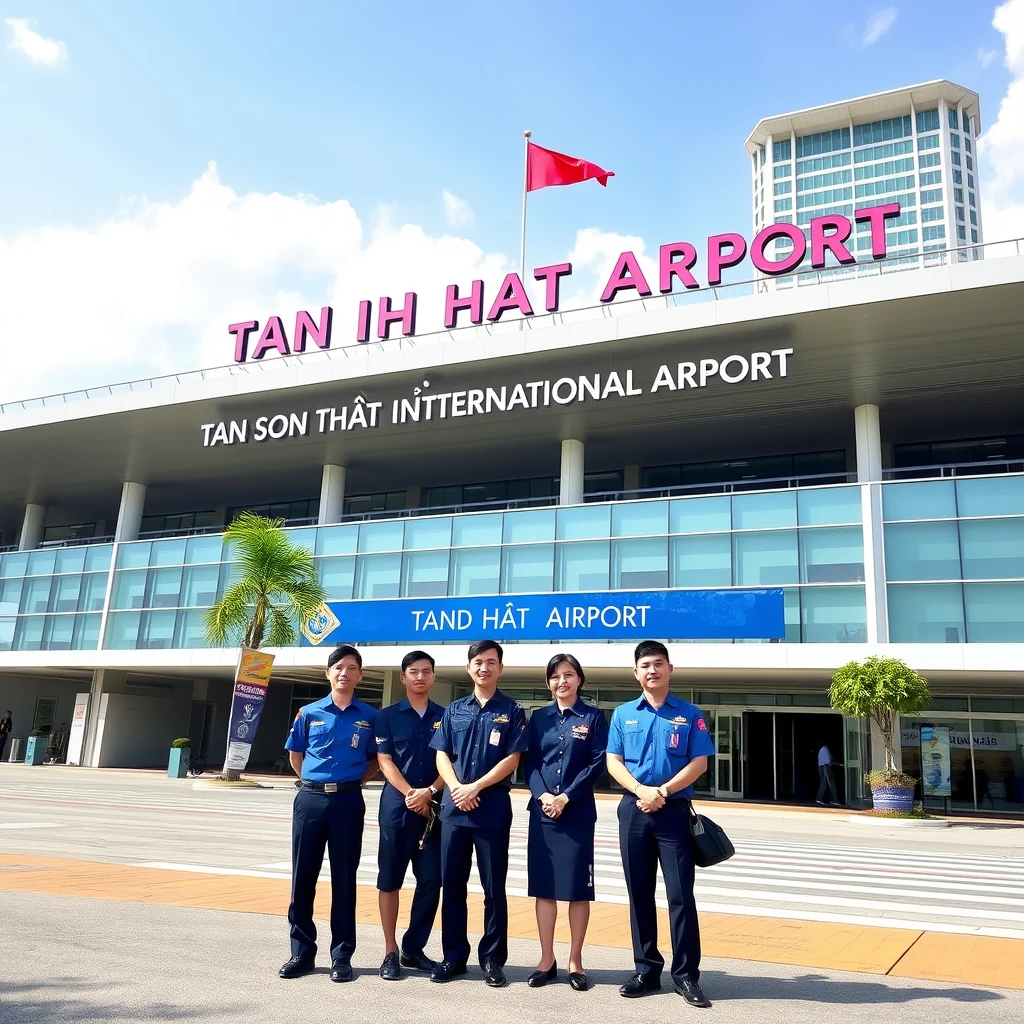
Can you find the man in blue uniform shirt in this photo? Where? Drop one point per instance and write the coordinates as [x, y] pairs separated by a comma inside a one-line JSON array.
[[478, 748], [404, 731], [332, 748], [658, 746]]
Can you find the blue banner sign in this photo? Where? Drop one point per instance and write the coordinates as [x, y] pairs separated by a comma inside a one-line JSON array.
[[554, 618]]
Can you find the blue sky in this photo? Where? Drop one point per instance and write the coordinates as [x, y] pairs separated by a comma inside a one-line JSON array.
[[385, 105]]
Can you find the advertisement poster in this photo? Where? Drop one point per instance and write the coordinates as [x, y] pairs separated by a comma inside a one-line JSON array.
[[77, 735], [252, 677], [935, 764]]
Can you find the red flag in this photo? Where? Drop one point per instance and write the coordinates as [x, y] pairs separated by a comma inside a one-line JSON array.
[[545, 167]]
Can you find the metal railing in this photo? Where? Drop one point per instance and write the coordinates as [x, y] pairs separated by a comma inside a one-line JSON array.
[[708, 293], [940, 470]]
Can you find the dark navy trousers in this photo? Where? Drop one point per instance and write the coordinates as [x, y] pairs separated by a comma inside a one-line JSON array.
[[644, 841], [457, 845], [400, 847], [331, 821]]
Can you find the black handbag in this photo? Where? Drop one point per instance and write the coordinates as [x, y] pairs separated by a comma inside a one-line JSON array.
[[710, 843]]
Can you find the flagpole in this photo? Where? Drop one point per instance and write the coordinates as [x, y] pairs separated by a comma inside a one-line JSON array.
[[526, 176]]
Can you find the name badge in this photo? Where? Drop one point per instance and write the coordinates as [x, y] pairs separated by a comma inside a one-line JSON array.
[[495, 737], [673, 740], [355, 740]]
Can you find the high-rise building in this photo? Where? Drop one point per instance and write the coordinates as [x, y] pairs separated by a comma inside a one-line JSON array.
[[916, 146]]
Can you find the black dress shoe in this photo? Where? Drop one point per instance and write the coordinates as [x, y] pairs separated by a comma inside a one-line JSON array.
[[692, 993], [540, 978], [418, 961], [446, 970], [297, 966], [390, 969], [578, 981], [494, 975], [640, 985], [341, 970]]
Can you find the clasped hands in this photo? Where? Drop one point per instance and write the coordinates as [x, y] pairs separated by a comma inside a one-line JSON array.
[[418, 800], [466, 796], [648, 799], [553, 806]]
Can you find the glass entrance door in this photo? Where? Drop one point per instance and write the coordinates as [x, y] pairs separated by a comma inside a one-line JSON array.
[[729, 761]]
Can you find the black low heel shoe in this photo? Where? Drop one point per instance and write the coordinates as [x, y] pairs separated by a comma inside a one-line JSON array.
[[578, 981], [540, 978]]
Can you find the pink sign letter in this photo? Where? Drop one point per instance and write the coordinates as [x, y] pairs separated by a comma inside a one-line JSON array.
[[669, 268], [386, 316], [241, 332], [765, 237], [877, 216], [511, 295], [273, 337], [626, 274], [550, 275], [319, 333], [719, 260], [474, 302]]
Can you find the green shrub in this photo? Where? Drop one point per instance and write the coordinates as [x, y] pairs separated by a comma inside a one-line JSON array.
[[182, 741]]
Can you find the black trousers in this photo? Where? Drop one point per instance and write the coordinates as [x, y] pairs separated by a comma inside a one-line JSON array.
[[400, 847], [3, 743], [645, 840], [457, 845], [331, 821]]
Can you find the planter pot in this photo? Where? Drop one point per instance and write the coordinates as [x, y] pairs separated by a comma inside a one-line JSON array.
[[886, 798], [36, 749], [177, 763]]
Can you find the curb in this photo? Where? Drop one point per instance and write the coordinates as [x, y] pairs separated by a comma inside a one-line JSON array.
[[869, 820]]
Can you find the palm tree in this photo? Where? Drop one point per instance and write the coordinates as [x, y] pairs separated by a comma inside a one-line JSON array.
[[273, 584]]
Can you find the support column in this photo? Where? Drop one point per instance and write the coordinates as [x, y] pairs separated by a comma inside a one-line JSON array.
[[104, 681], [413, 497], [570, 487], [129, 515], [391, 684], [32, 527], [631, 477], [332, 495], [869, 476]]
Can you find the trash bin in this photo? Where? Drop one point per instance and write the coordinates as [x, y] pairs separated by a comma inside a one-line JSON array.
[[16, 753]]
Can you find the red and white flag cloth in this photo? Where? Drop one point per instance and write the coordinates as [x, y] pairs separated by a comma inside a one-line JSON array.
[[545, 167]]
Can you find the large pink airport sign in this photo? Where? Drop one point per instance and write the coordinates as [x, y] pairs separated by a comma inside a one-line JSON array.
[[676, 262]]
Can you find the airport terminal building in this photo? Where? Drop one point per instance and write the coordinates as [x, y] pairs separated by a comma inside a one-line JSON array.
[[856, 442]]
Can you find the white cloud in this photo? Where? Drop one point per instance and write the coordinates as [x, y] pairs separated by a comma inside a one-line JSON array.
[[456, 211], [37, 48], [985, 57], [878, 24], [1002, 146]]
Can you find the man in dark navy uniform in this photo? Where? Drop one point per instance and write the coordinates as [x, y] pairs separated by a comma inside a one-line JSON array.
[[332, 748], [658, 746], [407, 761], [478, 748]]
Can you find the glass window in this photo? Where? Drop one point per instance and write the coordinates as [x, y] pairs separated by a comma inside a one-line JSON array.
[[378, 575], [832, 615], [961, 784], [582, 566], [200, 586], [820, 506], [87, 633], [640, 564], [523, 527], [475, 570], [381, 536], [922, 551], [129, 589], [995, 612], [35, 597], [70, 560], [156, 631], [931, 613], [42, 563], [337, 575], [94, 590], [303, 538], [702, 561], [428, 533], [58, 632], [122, 631], [998, 763], [134, 555], [7, 630], [928, 142], [203, 549], [28, 634], [583, 522], [476, 530], [528, 569], [13, 564], [992, 496], [65, 594], [765, 559], [164, 588], [337, 540], [425, 574], [763, 511], [954, 140], [993, 549], [640, 519], [832, 555], [10, 596], [700, 515], [190, 630], [168, 552], [934, 499]]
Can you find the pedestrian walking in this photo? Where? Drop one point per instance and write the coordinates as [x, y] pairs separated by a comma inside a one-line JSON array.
[[658, 746], [825, 777], [478, 747], [332, 748], [406, 817], [6, 725], [564, 760]]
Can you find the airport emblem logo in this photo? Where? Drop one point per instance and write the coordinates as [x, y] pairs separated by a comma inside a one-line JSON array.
[[320, 624]]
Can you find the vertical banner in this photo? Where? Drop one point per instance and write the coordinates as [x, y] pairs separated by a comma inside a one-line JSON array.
[[252, 677], [76, 737], [935, 761]]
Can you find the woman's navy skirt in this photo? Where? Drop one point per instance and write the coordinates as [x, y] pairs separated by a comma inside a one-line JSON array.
[[560, 859]]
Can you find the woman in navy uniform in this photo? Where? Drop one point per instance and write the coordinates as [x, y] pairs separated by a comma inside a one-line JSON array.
[[565, 758]]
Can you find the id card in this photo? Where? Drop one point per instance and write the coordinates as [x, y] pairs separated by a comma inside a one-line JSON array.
[[673, 740], [355, 740], [495, 737]]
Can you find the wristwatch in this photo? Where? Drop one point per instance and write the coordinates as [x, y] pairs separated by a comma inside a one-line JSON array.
[[663, 791], [433, 791]]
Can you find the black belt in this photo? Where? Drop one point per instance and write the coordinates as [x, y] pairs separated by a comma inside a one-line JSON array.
[[332, 787]]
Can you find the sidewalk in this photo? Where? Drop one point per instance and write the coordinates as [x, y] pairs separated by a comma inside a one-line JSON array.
[[933, 956]]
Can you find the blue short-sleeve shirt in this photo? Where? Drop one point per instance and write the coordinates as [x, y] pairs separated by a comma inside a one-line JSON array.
[[337, 744], [566, 756], [405, 736], [476, 738], [658, 744]]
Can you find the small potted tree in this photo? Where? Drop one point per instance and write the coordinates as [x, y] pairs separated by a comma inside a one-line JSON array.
[[880, 689], [177, 762], [35, 750]]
